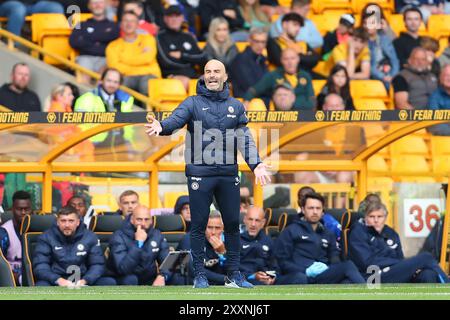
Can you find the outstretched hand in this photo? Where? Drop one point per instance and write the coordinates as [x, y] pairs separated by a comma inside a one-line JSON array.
[[154, 127], [261, 174]]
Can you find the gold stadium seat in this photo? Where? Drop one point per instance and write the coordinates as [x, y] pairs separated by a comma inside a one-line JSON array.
[[441, 164], [32, 227], [168, 92], [285, 3], [172, 227], [318, 85], [440, 152], [170, 198], [104, 226], [397, 25], [144, 198], [256, 105], [192, 87], [411, 164], [369, 104], [276, 219], [409, 145], [51, 31], [388, 6], [373, 133], [416, 167], [327, 21], [377, 163], [321, 68], [440, 145], [318, 6], [439, 26], [104, 202], [241, 45], [368, 89], [201, 44]]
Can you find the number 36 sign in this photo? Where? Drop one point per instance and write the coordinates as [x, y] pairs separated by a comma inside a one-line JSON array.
[[420, 216]]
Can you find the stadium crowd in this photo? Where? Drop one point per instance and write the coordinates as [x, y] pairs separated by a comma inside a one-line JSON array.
[[309, 249]]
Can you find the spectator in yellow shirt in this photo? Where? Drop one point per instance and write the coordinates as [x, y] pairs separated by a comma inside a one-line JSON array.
[[353, 55], [134, 55]]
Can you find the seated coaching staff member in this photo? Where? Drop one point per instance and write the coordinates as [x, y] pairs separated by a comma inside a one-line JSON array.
[[307, 246], [135, 250], [258, 262], [68, 243], [372, 243]]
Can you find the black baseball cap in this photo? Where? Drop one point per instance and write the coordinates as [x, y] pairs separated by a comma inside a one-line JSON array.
[[173, 9]]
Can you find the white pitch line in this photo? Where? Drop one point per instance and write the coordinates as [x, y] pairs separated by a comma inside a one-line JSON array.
[[246, 294]]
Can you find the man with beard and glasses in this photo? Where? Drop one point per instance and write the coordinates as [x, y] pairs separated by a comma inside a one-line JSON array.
[[16, 95], [216, 126]]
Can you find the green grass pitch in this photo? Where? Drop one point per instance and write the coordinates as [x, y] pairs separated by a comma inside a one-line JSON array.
[[309, 292]]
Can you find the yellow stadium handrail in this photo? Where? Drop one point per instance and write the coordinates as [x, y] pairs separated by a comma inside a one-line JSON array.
[[445, 232], [71, 65], [4, 109]]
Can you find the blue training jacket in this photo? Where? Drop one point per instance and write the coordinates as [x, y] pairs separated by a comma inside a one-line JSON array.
[[127, 258], [55, 252], [218, 121], [257, 254], [368, 247], [299, 246]]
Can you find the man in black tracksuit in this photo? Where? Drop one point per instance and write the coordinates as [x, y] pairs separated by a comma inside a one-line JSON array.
[[216, 125], [258, 262], [135, 250], [178, 52], [67, 244], [372, 243], [306, 246]]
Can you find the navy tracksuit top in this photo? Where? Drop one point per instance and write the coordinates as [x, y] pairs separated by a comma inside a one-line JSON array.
[[299, 246], [368, 247], [219, 117], [127, 258], [55, 252], [257, 253]]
